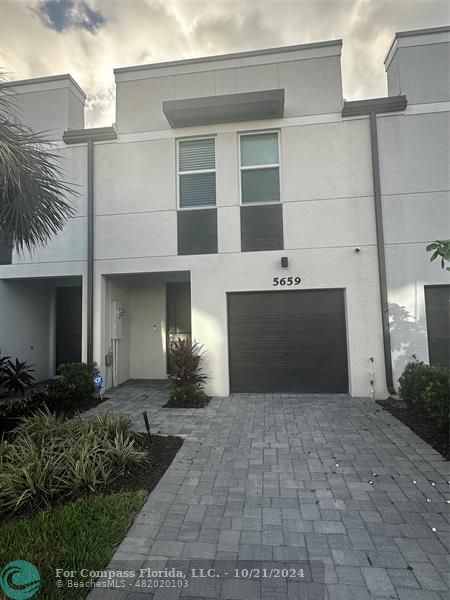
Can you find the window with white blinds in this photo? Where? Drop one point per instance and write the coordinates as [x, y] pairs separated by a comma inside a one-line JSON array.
[[260, 167], [197, 172]]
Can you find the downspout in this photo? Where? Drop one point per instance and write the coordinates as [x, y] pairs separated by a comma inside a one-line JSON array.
[[381, 253], [90, 252], [89, 137], [370, 108]]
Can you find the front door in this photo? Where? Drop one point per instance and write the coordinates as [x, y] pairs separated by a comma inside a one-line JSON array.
[[178, 316], [68, 325]]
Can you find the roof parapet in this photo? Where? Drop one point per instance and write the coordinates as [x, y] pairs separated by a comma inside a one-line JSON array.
[[230, 56]]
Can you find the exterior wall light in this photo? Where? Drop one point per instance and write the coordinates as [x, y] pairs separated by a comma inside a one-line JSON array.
[[284, 261]]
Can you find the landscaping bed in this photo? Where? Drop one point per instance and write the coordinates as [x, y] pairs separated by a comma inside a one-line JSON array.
[[161, 452], [189, 402], [73, 393], [188, 378], [69, 490], [419, 422], [424, 403]]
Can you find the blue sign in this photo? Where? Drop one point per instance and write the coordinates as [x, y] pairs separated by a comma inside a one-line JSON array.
[[98, 381]]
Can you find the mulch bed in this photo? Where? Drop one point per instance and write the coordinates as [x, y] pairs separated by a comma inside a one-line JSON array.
[[161, 453], [420, 423], [199, 403], [8, 424]]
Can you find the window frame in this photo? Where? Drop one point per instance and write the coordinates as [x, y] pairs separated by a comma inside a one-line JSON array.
[[259, 167], [194, 172]]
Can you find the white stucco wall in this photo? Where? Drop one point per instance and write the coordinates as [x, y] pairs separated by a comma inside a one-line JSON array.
[[415, 175]]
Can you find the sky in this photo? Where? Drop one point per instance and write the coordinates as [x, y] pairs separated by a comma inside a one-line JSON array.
[[88, 38]]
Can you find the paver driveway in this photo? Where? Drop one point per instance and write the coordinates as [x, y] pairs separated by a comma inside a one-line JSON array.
[[331, 479]]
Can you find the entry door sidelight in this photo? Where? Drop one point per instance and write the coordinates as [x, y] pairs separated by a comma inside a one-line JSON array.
[[68, 325], [178, 316]]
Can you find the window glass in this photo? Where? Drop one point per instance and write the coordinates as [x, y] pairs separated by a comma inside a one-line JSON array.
[[197, 189], [260, 172], [196, 172], [259, 149], [260, 185], [197, 154]]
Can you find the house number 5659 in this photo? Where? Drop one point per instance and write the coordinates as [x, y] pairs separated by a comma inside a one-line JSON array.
[[286, 281]]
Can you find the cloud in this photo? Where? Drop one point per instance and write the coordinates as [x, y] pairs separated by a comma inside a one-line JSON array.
[[62, 14], [88, 38]]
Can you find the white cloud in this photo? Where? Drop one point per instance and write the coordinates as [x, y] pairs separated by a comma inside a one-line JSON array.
[[141, 31]]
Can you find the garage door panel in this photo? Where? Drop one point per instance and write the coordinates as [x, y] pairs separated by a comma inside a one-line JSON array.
[[288, 341], [314, 301]]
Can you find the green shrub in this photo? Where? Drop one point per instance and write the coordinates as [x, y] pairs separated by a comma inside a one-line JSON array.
[[187, 396], [414, 381], [79, 377], [427, 389], [53, 458], [436, 400]]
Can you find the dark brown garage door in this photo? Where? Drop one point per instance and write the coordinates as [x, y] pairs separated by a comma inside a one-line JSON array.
[[288, 341]]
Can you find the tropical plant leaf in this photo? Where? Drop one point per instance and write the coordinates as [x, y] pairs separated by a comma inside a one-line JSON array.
[[34, 199], [441, 249]]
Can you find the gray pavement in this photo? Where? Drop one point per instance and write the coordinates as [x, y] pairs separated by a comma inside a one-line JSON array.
[[329, 484]]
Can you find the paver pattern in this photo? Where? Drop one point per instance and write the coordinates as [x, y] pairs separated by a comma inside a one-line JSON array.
[[330, 479]]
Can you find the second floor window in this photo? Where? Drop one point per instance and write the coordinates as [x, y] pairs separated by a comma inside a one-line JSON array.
[[260, 167], [196, 172]]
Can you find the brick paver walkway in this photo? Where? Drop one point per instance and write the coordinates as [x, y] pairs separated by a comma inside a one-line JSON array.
[[333, 480]]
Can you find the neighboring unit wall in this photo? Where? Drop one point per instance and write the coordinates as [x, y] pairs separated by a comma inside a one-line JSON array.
[[49, 104], [418, 65], [70, 245], [414, 162], [25, 323]]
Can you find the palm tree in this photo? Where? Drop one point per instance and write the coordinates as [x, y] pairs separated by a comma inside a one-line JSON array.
[[33, 198]]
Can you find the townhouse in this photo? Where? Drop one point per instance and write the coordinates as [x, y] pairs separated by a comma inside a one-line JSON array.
[[241, 201]]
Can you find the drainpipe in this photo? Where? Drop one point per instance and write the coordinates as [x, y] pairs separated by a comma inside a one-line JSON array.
[[89, 137], [90, 253], [371, 108], [381, 253]]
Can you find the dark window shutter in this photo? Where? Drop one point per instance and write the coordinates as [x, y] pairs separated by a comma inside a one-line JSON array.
[[197, 231], [262, 227]]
